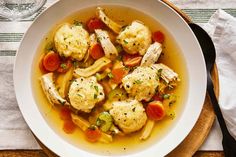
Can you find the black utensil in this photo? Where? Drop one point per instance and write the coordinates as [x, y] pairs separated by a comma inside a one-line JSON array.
[[208, 49]]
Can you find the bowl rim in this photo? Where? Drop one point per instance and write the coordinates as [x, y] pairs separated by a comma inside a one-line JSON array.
[[57, 148]]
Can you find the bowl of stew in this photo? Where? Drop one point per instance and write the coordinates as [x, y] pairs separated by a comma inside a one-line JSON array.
[[109, 78]]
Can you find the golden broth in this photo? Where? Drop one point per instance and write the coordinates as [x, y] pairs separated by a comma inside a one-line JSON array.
[[130, 143]]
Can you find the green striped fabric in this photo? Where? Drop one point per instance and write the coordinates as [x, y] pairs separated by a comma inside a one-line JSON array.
[[7, 52], [197, 16], [203, 15], [11, 37]]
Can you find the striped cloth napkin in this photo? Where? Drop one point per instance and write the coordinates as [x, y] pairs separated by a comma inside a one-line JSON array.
[[222, 29]]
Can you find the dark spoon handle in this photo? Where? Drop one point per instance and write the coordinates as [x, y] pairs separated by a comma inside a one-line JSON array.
[[210, 89]]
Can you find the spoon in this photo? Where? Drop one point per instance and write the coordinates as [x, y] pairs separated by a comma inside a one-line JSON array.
[[208, 49]]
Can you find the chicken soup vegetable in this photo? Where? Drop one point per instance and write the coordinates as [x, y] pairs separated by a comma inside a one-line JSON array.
[[107, 78]]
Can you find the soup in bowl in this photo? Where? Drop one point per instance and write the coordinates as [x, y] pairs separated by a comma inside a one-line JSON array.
[[111, 79]]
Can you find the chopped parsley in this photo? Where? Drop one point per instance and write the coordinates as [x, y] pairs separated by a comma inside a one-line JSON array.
[[92, 127], [99, 39], [79, 94], [159, 72], [126, 68], [49, 46], [126, 42], [170, 87], [166, 96], [110, 75], [171, 114], [78, 23], [95, 96], [63, 66], [119, 58], [96, 88], [138, 81], [75, 64], [123, 27], [72, 80], [119, 48], [61, 102]]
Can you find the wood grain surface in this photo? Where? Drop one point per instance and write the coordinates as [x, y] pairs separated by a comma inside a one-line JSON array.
[[40, 153]]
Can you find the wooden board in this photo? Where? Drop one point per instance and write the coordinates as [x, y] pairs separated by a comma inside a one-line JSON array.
[[198, 134], [41, 153]]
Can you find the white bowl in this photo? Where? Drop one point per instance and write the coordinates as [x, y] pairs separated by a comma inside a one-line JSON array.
[[173, 23]]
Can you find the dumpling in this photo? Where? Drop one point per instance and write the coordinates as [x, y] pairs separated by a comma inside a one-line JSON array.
[[141, 83], [135, 38], [84, 93], [72, 41], [129, 115]]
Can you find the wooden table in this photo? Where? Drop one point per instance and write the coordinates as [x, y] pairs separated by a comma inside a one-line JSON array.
[[40, 153], [198, 15]]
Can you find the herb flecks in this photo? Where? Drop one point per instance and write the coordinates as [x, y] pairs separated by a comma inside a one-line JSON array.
[[166, 96], [119, 58], [110, 75], [49, 46], [99, 39], [124, 27], [138, 81], [75, 64], [119, 48], [78, 23], [126, 42], [95, 96], [79, 95], [61, 101], [63, 66], [96, 88], [159, 72]]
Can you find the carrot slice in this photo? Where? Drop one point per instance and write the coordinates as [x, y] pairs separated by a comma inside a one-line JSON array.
[[41, 67], [158, 36], [155, 110], [93, 133], [95, 23], [105, 86], [64, 66], [51, 61], [96, 51], [118, 74], [158, 97], [131, 60], [65, 113], [69, 127]]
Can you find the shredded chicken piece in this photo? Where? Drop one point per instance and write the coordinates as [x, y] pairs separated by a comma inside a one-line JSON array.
[[166, 73], [84, 124], [152, 54], [110, 23], [108, 47], [147, 129], [50, 90], [93, 69]]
